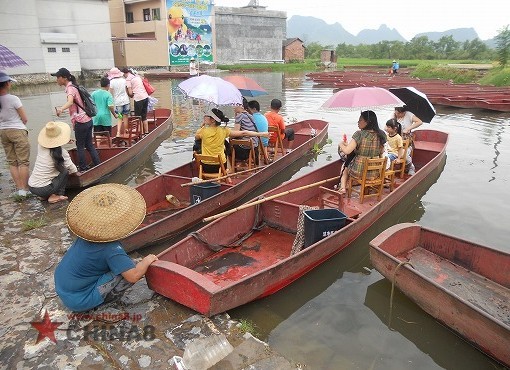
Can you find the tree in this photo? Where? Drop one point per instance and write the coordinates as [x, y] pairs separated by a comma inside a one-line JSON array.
[[503, 46]]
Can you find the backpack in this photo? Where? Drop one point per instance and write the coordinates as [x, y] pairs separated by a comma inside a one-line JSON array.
[[148, 87], [89, 107]]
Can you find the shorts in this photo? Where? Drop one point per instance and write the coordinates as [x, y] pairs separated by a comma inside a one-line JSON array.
[[124, 109], [141, 108], [16, 146]]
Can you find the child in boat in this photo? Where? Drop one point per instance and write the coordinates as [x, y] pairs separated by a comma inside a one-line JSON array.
[[395, 146], [96, 269], [213, 136], [275, 119]]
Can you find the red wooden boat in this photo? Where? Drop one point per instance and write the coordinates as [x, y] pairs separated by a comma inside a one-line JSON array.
[[165, 219], [115, 157], [210, 282], [464, 285]]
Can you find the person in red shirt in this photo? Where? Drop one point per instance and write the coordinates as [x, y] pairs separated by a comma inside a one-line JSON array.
[[275, 119]]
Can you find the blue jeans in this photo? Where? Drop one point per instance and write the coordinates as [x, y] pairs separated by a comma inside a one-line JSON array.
[[83, 134]]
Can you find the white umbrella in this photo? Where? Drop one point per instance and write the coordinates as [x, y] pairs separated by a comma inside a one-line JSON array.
[[212, 90]]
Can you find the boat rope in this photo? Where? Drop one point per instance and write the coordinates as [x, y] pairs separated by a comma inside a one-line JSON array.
[[257, 225], [393, 289]]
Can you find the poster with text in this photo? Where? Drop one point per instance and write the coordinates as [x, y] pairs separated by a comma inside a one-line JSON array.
[[189, 31]]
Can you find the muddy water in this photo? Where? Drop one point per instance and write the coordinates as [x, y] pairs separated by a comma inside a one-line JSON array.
[[336, 316]]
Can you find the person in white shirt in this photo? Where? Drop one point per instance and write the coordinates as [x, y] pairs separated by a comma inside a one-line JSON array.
[[119, 91], [53, 164], [193, 69], [14, 135]]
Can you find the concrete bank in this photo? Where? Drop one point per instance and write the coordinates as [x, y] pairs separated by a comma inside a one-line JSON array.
[[144, 330]]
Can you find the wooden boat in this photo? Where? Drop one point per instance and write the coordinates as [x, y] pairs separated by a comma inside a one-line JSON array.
[[464, 285], [165, 219], [193, 274], [115, 157]]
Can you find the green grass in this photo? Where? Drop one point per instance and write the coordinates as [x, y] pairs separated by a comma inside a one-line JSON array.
[[247, 326], [34, 223], [307, 65], [497, 77]]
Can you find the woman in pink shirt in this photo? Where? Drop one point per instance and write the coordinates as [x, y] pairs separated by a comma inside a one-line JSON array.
[[82, 123], [139, 94]]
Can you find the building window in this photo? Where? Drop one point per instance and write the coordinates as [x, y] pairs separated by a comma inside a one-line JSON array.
[[129, 17], [52, 50], [146, 15], [66, 50], [156, 15]]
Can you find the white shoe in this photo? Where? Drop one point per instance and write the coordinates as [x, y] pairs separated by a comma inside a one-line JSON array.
[[411, 171], [24, 193]]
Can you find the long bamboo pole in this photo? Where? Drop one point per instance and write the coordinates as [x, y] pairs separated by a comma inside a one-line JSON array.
[[251, 204], [223, 177]]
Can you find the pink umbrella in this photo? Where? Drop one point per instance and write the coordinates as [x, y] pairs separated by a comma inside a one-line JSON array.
[[361, 98], [10, 59], [247, 86]]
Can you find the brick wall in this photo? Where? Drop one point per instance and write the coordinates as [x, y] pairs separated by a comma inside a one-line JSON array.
[[294, 51]]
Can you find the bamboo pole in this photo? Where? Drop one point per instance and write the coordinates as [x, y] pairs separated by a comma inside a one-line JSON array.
[[258, 201], [223, 177]]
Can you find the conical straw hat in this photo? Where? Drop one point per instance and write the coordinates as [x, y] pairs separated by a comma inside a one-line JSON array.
[[105, 213], [54, 134]]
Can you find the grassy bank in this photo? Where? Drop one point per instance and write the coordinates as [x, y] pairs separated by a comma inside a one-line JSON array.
[[420, 69]]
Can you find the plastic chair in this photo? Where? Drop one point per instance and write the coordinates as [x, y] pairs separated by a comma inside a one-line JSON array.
[[242, 164], [199, 158], [373, 185], [278, 144]]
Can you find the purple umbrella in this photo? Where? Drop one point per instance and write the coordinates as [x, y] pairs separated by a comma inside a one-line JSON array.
[[10, 59]]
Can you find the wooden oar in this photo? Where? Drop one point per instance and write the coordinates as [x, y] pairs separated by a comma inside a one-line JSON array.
[[223, 177], [250, 204]]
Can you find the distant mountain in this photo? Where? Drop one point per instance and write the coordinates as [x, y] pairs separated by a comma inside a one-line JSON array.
[[311, 29]]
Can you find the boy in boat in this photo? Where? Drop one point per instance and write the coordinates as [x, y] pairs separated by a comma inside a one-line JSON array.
[[96, 269], [276, 120]]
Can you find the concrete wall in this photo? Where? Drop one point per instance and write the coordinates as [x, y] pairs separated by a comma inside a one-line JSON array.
[[25, 21], [248, 33]]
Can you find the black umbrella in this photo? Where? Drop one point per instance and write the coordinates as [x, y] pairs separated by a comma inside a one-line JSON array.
[[416, 102]]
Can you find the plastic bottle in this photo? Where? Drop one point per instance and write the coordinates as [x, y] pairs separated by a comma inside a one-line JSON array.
[[119, 116], [202, 353]]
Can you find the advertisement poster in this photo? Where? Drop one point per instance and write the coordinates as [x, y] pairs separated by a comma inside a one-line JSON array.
[[189, 31]]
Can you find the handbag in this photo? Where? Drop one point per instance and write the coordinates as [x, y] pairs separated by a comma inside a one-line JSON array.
[[148, 87]]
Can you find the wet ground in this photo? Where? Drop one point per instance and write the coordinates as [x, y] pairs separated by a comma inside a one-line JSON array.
[[144, 330]]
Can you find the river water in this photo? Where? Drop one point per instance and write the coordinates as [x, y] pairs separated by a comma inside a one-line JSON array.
[[336, 316]]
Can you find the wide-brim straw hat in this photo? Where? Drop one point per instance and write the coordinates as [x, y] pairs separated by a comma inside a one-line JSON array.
[[115, 73], [54, 134], [105, 213]]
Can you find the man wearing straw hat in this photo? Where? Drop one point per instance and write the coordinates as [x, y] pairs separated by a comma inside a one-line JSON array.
[[96, 269], [53, 163]]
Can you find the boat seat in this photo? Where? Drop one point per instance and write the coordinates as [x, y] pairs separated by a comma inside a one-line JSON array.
[[246, 164], [330, 198], [133, 134], [222, 171], [368, 187], [264, 157], [278, 144], [102, 139]]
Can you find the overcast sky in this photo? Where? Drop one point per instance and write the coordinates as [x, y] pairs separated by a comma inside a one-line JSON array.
[[407, 17]]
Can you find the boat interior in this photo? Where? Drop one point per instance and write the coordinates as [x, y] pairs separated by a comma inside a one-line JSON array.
[[108, 146], [258, 237]]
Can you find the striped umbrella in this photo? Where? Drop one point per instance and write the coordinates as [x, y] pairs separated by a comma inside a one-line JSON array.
[[10, 59]]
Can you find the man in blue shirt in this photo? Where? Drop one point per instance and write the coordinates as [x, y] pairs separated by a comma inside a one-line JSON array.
[[259, 119], [96, 269]]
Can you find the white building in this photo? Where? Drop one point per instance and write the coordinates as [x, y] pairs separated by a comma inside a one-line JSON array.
[[49, 34]]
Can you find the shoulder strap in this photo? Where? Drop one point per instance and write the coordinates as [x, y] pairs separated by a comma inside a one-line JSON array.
[[75, 102]]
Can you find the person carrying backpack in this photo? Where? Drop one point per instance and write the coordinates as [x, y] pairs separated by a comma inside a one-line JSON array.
[[82, 123]]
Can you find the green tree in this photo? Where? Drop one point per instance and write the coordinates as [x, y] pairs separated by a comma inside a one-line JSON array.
[[313, 50], [503, 46], [446, 46]]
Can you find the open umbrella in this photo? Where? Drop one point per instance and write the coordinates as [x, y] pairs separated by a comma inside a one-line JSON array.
[[247, 86], [212, 90], [10, 59], [361, 98], [416, 102]]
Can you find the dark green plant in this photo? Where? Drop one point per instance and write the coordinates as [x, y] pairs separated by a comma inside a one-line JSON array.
[[503, 46]]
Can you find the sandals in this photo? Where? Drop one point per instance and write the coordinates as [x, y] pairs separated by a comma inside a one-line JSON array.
[[342, 191]]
